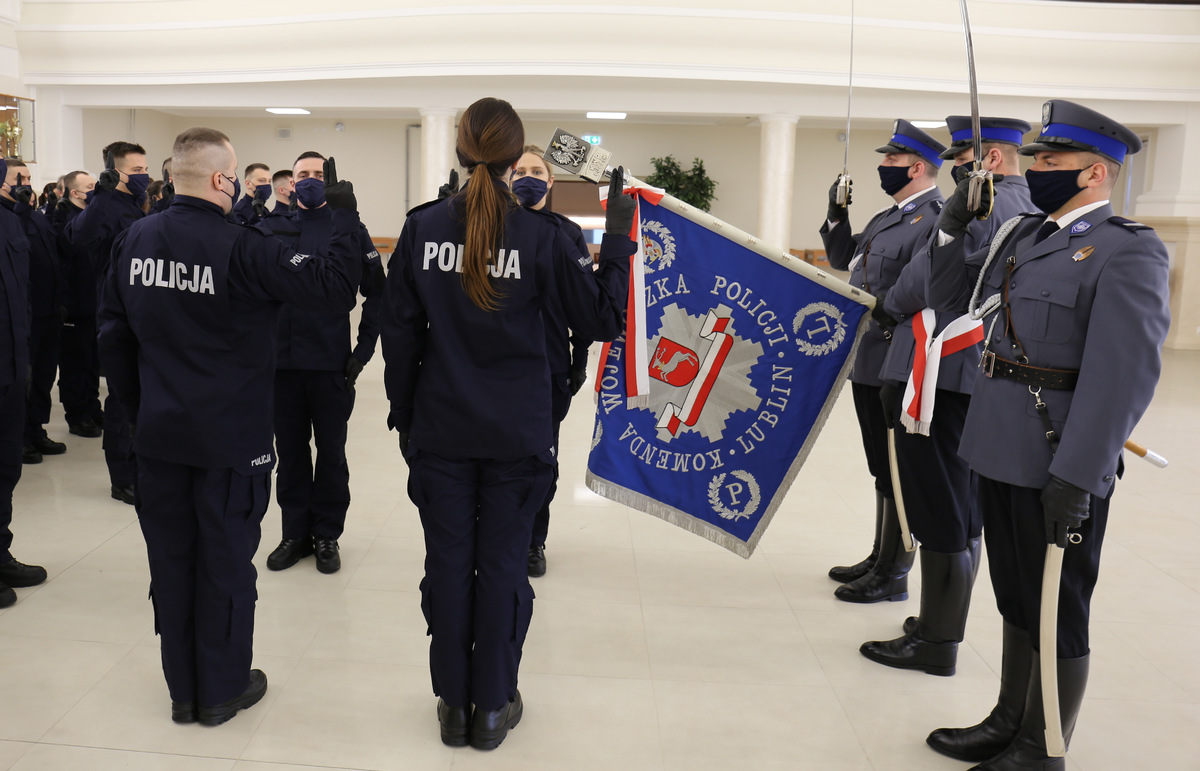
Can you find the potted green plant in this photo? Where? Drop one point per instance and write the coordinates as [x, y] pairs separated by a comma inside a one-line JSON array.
[[693, 186]]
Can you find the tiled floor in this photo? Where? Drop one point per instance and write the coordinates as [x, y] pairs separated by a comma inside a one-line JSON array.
[[650, 648]]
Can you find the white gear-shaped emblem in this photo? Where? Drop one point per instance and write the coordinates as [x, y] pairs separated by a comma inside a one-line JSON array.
[[824, 334], [732, 392], [597, 434], [660, 253], [723, 511]]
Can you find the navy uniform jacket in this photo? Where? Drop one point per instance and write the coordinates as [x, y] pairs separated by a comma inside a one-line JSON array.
[[47, 284], [908, 296], [243, 212], [560, 341], [14, 300], [1092, 297], [95, 229], [187, 328], [281, 208], [311, 339], [469, 383], [80, 298], [886, 245]]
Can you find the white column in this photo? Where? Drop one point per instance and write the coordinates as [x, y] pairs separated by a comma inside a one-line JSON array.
[[58, 135], [437, 150], [776, 178]]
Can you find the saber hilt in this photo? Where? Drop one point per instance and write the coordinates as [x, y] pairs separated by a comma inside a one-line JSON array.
[[577, 156], [1146, 454], [842, 192]]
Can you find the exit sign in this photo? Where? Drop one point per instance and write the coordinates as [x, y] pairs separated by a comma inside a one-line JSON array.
[[591, 139]]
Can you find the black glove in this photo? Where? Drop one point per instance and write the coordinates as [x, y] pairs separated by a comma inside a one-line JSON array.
[[956, 217], [889, 393], [51, 200], [353, 367], [110, 177], [404, 443], [22, 194], [837, 212], [339, 195], [882, 317], [168, 192], [1064, 506], [618, 217], [576, 378], [450, 188], [260, 207]]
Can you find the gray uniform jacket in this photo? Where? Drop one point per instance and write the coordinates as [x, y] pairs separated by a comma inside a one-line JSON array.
[[908, 296], [875, 258], [1092, 297]]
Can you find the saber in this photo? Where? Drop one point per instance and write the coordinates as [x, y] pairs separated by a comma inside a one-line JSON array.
[[898, 495], [1150, 456], [978, 176], [1048, 643], [843, 183], [578, 156]]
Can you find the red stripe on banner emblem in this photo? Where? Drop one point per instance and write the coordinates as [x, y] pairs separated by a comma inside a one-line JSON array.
[[673, 417]]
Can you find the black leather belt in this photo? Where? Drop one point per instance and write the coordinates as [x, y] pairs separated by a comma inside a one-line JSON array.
[[1026, 374]]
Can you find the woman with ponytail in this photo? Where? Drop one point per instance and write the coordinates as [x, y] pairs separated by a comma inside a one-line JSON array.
[[464, 346]]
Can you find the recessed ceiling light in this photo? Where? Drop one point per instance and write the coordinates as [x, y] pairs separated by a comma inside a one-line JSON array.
[[606, 115], [929, 123], [288, 111]]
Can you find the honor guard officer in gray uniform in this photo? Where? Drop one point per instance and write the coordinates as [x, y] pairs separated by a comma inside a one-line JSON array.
[[935, 479], [314, 384], [14, 363], [468, 380], [875, 257], [1076, 307], [187, 335], [117, 204]]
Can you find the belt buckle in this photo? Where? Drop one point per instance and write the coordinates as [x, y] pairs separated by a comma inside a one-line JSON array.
[[987, 363]]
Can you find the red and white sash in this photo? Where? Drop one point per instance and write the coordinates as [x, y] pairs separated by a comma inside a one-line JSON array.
[[921, 390]]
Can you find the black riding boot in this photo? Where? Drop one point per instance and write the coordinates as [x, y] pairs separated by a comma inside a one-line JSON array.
[[990, 737], [1028, 750], [888, 577], [946, 582], [846, 573]]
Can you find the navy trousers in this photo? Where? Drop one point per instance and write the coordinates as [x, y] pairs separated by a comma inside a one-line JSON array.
[[12, 424], [477, 515], [541, 519], [874, 434], [1016, 547], [79, 370], [935, 480], [43, 360], [313, 497], [202, 527]]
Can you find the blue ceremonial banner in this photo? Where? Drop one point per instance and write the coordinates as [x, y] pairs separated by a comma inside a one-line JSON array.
[[747, 352]]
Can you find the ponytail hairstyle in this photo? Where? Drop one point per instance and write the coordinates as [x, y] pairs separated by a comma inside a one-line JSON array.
[[491, 139]]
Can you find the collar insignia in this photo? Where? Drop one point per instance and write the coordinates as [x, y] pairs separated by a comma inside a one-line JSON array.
[[910, 207], [1080, 227]]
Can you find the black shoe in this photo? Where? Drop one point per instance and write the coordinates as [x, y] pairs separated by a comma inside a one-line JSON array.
[[289, 552], [488, 729], [122, 494], [47, 446], [454, 722], [30, 456], [844, 574], [328, 560], [86, 428], [537, 561], [226, 710], [19, 575], [8, 597], [183, 711]]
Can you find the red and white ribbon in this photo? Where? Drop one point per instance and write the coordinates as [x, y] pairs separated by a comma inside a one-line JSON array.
[[919, 394]]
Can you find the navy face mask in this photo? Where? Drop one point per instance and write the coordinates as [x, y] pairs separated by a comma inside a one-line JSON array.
[[961, 172], [137, 184], [262, 192], [88, 196], [893, 178], [310, 192], [529, 190], [1050, 190], [237, 188]]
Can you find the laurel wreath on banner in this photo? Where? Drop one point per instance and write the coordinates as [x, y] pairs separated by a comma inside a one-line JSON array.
[[667, 245], [830, 345], [723, 511], [599, 432]]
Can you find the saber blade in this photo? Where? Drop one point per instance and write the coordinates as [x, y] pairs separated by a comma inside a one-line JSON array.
[[1056, 746], [898, 495], [979, 177], [843, 184]]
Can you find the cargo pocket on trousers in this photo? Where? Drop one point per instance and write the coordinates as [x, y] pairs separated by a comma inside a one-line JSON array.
[[241, 614], [427, 606], [523, 613]]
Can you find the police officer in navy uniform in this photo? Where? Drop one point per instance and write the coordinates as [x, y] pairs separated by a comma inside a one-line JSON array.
[[875, 257], [46, 289], [117, 204], [281, 184], [14, 364], [166, 192], [78, 361], [468, 380], [567, 351], [1077, 312], [314, 384], [187, 336], [253, 206], [934, 477]]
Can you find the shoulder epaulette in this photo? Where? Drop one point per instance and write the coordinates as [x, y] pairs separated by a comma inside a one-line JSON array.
[[937, 205], [425, 205], [1130, 224]]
